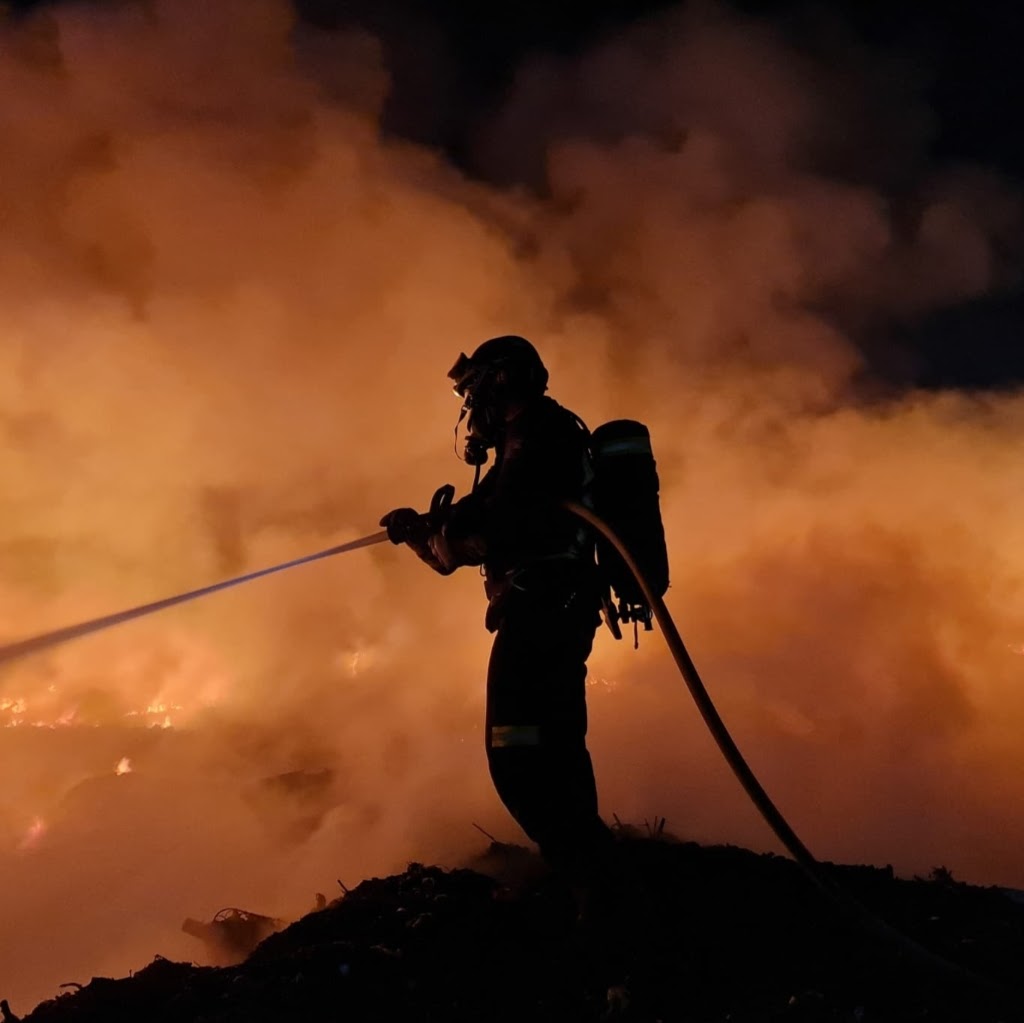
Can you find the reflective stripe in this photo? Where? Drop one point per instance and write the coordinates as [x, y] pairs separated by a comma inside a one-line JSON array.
[[630, 446], [514, 735]]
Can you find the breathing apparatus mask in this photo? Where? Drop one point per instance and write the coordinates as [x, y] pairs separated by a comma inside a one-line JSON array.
[[501, 370], [474, 384]]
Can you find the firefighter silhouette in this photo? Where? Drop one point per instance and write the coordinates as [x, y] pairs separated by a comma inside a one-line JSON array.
[[543, 594]]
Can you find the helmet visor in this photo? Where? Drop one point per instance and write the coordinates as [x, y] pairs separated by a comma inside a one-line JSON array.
[[464, 375]]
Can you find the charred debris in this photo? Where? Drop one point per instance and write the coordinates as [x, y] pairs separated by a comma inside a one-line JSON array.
[[709, 934]]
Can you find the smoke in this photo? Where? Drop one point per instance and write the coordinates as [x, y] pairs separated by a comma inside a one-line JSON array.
[[228, 307]]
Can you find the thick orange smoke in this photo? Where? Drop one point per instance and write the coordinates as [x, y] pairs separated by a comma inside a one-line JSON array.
[[228, 307]]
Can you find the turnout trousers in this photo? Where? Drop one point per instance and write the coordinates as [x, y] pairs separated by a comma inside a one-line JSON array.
[[536, 728]]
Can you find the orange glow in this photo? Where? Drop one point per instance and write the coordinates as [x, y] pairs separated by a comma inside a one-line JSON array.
[[228, 306], [33, 835]]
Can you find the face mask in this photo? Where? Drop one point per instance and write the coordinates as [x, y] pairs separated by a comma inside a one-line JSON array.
[[479, 390]]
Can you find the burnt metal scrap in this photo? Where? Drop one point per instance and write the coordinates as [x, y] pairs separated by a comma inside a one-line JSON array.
[[715, 933], [233, 933]]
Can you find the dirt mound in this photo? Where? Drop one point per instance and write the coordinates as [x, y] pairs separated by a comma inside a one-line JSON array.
[[700, 933]]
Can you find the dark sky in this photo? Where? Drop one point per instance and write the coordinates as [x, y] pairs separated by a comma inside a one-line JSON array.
[[972, 55], [452, 60], [974, 50]]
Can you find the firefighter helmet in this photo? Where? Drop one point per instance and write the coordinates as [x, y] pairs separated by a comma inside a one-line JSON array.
[[501, 373], [502, 367]]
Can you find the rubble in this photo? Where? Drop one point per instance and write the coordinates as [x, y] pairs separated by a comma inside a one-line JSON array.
[[714, 934]]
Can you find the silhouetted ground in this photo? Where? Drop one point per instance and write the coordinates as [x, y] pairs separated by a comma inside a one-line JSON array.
[[713, 934]]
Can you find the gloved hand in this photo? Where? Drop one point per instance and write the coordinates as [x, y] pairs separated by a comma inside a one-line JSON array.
[[406, 525]]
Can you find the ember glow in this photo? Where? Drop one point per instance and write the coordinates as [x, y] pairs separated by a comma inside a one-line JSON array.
[[35, 832], [228, 309]]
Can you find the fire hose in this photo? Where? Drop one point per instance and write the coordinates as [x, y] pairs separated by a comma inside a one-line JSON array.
[[850, 908], [902, 944], [46, 640]]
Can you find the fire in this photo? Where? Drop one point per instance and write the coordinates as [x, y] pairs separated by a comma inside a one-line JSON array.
[[155, 715], [157, 679], [124, 766], [51, 714], [32, 836], [357, 660], [225, 337]]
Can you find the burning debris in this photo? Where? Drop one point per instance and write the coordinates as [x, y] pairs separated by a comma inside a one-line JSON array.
[[84, 711], [717, 933]]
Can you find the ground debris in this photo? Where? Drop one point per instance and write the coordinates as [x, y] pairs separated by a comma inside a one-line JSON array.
[[130, 998], [713, 934]]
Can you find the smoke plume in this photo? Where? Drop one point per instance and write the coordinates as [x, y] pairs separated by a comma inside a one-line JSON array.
[[228, 307]]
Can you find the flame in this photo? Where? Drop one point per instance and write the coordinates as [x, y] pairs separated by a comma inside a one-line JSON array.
[[51, 714], [124, 766], [33, 835], [159, 678], [359, 659]]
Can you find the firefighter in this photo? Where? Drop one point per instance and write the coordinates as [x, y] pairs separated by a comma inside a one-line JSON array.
[[542, 592]]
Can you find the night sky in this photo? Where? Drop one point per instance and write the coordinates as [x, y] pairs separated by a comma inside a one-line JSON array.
[[970, 61], [452, 63]]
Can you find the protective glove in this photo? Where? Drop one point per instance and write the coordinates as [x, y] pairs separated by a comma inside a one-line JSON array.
[[406, 525]]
